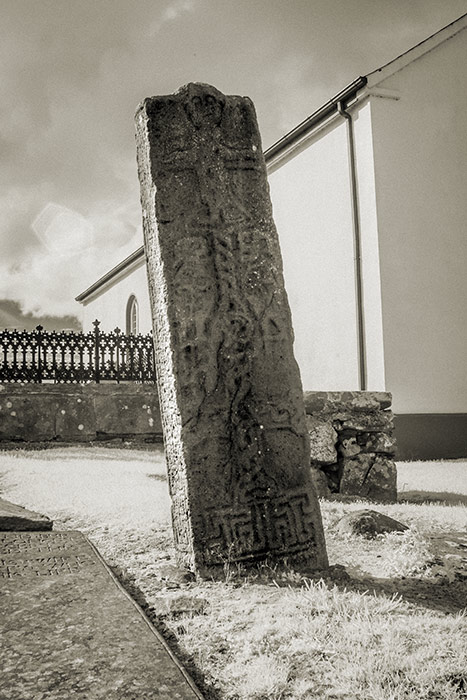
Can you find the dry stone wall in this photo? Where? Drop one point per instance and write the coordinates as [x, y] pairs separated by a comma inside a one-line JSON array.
[[352, 444], [34, 413], [351, 433]]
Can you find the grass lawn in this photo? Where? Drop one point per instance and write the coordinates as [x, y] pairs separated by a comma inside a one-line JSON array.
[[388, 626]]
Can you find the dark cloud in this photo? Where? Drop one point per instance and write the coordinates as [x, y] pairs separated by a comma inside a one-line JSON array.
[[11, 317], [73, 72]]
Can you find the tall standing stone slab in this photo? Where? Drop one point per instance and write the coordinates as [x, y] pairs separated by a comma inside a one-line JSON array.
[[230, 391]]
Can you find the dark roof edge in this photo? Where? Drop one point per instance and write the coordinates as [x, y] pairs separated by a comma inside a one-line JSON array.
[[323, 112], [420, 44], [110, 274]]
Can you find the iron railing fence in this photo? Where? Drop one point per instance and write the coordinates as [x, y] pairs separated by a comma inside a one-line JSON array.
[[67, 356]]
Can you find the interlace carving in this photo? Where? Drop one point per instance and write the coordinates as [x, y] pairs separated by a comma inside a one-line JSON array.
[[231, 396]]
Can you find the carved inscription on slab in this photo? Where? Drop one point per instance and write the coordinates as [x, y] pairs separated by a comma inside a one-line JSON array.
[[24, 554], [230, 391]]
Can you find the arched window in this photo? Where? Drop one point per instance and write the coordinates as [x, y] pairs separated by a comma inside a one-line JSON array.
[[132, 320]]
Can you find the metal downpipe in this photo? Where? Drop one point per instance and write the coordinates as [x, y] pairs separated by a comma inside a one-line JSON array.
[[357, 247]]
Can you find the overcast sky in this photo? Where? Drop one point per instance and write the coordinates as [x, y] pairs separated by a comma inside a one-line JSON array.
[[72, 73]]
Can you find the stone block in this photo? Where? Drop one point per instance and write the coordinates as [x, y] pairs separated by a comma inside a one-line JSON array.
[[380, 421], [316, 402], [20, 418], [322, 440], [348, 446], [384, 398], [377, 442], [127, 414], [18, 519], [366, 401], [74, 418], [369, 476], [321, 403]]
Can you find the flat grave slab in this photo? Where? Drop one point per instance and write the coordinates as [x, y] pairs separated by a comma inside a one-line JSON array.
[[69, 630]]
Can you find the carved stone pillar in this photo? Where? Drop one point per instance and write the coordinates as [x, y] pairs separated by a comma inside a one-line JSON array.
[[229, 387]]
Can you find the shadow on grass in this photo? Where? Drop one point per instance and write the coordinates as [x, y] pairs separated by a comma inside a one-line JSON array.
[[440, 595], [432, 497], [437, 594], [75, 450], [443, 587]]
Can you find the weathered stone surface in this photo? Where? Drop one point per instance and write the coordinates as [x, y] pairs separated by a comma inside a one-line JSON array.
[[16, 518], [368, 523], [382, 421], [231, 398], [377, 442], [70, 631], [331, 402], [135, 414], [79, 412], [370, 476], [348, 446], [320, 483], [323, 439], [18, 421]]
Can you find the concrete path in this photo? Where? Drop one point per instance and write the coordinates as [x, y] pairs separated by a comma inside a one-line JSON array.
[[69, 630]]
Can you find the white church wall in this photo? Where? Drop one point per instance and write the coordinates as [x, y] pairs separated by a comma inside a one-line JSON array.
[[420, 144], [411, 155], [368, 225], [311, 201], [110, 304]]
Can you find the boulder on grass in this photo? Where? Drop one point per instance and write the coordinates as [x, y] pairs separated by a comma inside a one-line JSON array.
[[17, 519], [174, 574], [176, 605], [368, 523]]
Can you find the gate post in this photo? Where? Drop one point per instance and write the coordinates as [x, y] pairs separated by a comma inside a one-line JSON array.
[[96, 325], [39, 330]]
